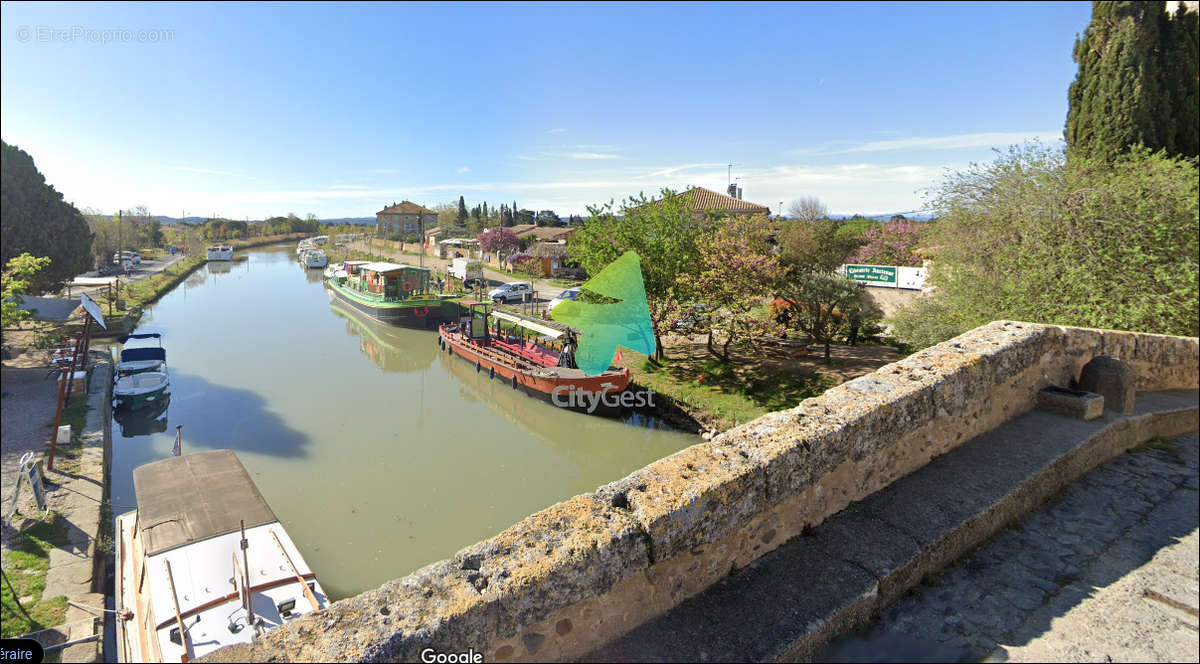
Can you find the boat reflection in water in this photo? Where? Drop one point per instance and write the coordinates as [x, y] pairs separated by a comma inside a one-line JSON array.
[[143, 421], [391, 348]]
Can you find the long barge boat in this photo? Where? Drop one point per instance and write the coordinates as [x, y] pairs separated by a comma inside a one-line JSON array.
[[393, 293], [544, 372]]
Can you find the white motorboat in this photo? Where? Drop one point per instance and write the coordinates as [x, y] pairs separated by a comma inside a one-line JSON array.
[[203, 562], [315, 258], [140, 389], [140, 359]]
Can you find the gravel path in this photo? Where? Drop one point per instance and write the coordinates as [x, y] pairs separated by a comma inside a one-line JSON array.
[[1107, 572], [26, 415]]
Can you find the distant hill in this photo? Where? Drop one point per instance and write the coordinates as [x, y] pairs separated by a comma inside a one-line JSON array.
[[914, 215], [357, 221]]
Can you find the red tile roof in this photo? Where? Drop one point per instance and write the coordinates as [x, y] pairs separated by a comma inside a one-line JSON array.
[[700, 198]]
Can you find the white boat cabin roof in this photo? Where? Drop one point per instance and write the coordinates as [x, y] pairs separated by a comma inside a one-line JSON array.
[[191, 498], [385, 267]]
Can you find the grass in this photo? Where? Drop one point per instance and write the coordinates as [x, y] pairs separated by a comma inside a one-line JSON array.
[[725, 394], [1162, 445], [25, 566]]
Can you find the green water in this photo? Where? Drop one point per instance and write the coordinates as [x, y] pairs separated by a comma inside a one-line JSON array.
[[378, 453]]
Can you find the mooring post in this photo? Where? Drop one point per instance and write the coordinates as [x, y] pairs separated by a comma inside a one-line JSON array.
[[62, 390]]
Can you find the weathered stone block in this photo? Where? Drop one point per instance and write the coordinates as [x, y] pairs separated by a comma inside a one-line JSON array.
[[1112, 379], [1072, 403]]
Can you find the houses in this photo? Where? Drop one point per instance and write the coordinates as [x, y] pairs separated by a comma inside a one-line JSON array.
[[406, 217], [550, 234]]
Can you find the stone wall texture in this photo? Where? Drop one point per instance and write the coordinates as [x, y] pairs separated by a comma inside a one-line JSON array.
[[576, 575]]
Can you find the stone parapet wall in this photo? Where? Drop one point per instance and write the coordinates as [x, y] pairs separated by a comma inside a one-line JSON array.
[[576, 575]]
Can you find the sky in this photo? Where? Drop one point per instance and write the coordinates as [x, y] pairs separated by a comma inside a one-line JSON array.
[[247, 110]]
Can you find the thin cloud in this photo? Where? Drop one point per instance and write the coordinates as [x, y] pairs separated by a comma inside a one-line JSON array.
[[462, 169], [555, 131], [385, 171], [206, 171], [959, 141], [525, 157], [591, 155]]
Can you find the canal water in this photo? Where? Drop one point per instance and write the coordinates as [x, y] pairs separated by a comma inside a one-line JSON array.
[[378, 452]]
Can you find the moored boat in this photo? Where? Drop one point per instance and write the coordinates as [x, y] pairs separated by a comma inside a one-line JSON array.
[[543, 368], [140, 359], [394, 293], [220, 252], [203, 562], [315, 258], [140, 390]]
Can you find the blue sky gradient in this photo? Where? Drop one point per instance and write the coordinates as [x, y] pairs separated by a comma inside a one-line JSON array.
[[250, 110]]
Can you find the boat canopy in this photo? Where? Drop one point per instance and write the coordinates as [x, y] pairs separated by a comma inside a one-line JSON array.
[[191, 498], [146, 335], [139, 354], [385, 267], [528, 324]]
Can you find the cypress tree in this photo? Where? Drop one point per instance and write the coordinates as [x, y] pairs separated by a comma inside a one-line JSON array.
[[462, 211], [1133, 86]]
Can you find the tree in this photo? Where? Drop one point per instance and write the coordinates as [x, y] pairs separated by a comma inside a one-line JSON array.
[[1136, 83], [854, 229], [462, 211], [736, 268], [18, 272], [663, 233], [523, 217], [506, 218], [821, 304], [1034, 236], [498, 239], [808, 208], [35, 219], [813, 246], [893, 243], [547, 218]]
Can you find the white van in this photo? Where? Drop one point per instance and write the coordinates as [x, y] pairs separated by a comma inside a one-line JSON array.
[[517, 290]]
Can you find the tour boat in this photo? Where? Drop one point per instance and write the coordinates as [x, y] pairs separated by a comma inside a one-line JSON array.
[[394, 293], [545, 370], [220, 252], [140, 389], [203, 562], [143, 358]]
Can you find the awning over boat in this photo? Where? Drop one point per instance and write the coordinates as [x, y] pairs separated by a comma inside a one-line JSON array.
[[140, 354], [381, 266], [147, 335], [195, 497], [529, 325]]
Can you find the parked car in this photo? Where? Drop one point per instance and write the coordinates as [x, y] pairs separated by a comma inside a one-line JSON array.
[[517, 290], [569, 294], [131, 256]]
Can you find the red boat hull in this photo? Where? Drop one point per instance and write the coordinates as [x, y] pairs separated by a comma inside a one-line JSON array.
[[566, 388]]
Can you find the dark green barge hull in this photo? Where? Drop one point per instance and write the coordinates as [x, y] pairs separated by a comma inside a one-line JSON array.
[[422, 314]]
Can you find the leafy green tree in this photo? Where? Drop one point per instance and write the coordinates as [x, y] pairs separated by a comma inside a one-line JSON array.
[[1086, 242], [736, 268], [547, 218], [663, 233], [462, 211], [813, 246], [1136, 83], [821, 304], [854, 229], [35, 219], [17, 274]]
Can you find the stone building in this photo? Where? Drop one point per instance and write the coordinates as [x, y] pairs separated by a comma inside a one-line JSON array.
[[405, 217]]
